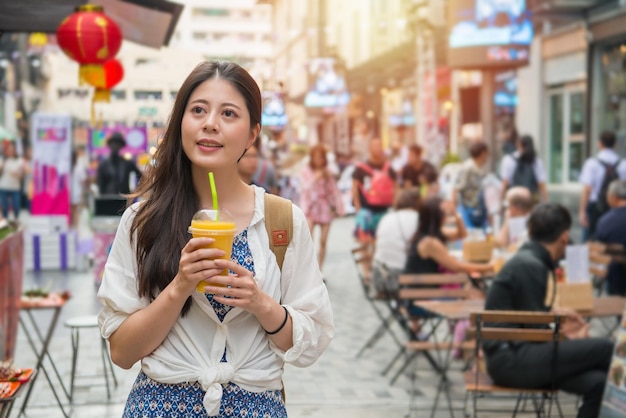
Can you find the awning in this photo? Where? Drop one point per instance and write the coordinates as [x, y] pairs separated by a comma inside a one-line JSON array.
[[146, 22], [567, 10]]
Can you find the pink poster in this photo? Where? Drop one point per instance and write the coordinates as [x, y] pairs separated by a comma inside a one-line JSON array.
[[102, 242], [51, 136]]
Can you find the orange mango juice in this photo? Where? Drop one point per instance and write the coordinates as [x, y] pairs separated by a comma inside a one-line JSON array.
[[222, 232]]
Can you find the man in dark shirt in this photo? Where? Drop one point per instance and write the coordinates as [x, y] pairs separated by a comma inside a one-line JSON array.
[[611, 229], [114, 172], [582, 363], [418, 172]]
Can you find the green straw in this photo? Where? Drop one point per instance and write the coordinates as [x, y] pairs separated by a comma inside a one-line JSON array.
[[214, 194]]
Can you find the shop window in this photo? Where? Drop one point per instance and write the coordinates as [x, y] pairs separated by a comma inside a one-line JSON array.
[[556, 138], [148, 95]]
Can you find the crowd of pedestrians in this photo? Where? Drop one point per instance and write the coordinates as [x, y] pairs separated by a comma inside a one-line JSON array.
[[404, 223]]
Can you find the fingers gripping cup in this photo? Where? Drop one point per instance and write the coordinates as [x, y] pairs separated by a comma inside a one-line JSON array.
[[216, 224]]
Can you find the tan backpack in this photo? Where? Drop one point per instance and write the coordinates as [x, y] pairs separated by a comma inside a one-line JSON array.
[[279, 225]]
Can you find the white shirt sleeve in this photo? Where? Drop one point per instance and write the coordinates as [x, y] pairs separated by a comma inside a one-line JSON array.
[[540, 172], [621, 170], [507, 168], [586, 174], [118, 290], [305, 297]]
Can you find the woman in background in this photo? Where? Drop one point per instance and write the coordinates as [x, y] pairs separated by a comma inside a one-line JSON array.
[[428, 252], [523, 168], [320, 199]]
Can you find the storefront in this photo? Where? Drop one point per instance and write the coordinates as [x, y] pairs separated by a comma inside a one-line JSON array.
[[607, 82], [564, 103]]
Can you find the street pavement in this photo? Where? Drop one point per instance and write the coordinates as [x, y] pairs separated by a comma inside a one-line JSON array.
[[337, 385]]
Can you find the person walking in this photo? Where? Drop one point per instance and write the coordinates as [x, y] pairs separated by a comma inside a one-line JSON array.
[[219, 352], [524, 168], [320, 199], [373, 191], [467, 195], [597, 173], [11, 174]]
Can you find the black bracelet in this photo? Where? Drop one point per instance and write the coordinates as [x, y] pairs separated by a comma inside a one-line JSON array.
[[281, 325]]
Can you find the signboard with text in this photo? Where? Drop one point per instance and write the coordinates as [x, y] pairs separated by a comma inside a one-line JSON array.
[[136, 141], [489, 33]]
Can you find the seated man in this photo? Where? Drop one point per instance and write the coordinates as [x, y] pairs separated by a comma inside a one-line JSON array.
[[519, 202], [611, 229], [582, 363]]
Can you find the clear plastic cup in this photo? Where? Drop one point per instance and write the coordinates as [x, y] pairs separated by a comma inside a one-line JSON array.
[[216, 224]]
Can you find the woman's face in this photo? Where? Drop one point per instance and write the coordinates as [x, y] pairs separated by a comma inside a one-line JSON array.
[[215, 127], [318, 160], [10, 150]]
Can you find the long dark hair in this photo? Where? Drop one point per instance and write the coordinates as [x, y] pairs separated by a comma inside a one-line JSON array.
[[528, 153], [430, 221], [170, 200]]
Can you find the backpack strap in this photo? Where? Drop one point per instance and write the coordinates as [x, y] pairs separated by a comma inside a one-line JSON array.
[[279, 225], [367, 168]]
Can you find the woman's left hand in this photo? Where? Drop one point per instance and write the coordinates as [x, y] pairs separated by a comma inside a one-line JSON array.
[[240, 289]]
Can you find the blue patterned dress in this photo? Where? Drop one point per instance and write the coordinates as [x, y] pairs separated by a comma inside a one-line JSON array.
[[150, 399]]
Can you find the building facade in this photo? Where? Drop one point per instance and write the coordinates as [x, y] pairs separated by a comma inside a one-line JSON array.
[[237, 30]]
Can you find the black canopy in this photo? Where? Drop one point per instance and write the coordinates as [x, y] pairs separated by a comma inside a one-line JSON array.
[[147, 22]]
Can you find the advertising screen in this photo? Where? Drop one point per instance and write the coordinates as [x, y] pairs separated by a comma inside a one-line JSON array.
[[273, 116], [489, 33], [328, 85], [505, 98]]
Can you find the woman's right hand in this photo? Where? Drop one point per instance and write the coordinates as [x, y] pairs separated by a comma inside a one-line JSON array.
[[196, 264]]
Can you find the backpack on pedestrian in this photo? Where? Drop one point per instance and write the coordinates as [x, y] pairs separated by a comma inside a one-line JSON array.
[[524, 175], [381, 188], [610, 174]]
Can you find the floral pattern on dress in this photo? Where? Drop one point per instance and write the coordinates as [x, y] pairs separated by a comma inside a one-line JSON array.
[[241, 255], [151, 399], [319, 196]]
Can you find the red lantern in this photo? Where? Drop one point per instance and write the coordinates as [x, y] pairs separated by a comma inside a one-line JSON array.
[[89, 37], [104, 78]]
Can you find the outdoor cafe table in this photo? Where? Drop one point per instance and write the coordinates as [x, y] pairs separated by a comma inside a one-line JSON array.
[[39, 340], [603, 306], [456, 310]]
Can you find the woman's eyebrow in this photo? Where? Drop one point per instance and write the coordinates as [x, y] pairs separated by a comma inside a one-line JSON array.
[[206, 102]]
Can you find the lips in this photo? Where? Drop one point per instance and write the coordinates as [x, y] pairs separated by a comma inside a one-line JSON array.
[[209, 143]]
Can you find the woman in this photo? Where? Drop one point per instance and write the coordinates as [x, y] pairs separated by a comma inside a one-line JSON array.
[[320, 199], [393, 236], [222, 351], [11, 175], [428, 252], [523, 168]]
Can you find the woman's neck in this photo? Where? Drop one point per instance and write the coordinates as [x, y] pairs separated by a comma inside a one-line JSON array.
[[229, 186]]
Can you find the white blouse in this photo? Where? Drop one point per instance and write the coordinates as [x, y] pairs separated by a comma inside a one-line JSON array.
[[194, 346]]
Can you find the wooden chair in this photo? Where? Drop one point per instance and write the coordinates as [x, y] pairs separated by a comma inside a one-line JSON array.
[[378, 301], [416, 287], [500, 326]]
